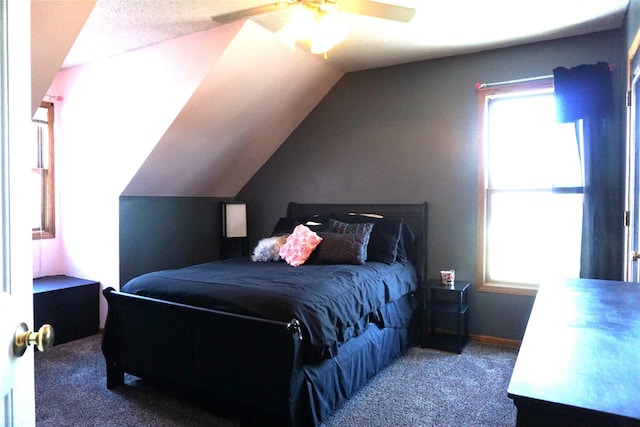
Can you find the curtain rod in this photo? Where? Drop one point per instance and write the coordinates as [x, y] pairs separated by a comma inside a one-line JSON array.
[[530, 79]]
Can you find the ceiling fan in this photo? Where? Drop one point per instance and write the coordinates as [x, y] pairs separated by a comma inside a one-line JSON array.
[[319, 22], [359, 7]]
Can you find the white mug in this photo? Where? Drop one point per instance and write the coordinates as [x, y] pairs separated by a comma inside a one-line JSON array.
[[447, 277]]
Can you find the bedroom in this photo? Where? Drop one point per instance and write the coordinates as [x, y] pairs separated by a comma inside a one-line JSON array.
[[406, 104]]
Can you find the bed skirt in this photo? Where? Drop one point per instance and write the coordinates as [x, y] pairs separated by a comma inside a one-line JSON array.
[[334, 381]]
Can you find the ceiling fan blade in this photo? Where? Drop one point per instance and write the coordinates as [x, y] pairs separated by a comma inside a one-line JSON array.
[[378, 10], [252, 11]]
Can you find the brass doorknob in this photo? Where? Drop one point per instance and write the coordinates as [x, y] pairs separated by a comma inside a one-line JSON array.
[[635, 256], [43, 339]]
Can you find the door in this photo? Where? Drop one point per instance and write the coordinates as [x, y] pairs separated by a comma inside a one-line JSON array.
[[17, 406], [633, 197], [632, 246]]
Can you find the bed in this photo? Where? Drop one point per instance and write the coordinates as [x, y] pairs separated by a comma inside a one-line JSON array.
[[293, 343]]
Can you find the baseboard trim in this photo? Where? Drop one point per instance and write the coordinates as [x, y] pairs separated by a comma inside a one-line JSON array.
[[485, 339]]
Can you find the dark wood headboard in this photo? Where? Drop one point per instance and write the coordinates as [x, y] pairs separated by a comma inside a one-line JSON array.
[[414, 214]]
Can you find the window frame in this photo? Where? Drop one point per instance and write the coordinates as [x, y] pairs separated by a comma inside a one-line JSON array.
[[542, 85], [48, 229]]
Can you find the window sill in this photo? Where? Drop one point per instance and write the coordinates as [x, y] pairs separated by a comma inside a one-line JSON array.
[[508, 288], [41, 235]]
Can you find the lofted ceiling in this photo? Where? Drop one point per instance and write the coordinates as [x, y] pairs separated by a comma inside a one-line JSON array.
[[215, 137], [439, 28]]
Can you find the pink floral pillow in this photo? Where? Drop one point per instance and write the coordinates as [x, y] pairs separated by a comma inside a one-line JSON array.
[[299, 246]]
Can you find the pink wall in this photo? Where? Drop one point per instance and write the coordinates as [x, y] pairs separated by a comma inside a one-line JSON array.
[[137, 114], [113, 113]]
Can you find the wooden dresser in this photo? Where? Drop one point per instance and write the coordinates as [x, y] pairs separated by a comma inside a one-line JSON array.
[[579, 363]]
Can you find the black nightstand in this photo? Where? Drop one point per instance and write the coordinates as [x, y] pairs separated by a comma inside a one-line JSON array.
[[445, 308], [69, 304]]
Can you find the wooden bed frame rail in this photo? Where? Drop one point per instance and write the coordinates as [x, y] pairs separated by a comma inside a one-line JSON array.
[[182, 345]]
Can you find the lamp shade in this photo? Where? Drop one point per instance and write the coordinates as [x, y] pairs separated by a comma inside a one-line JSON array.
[[234, 219]]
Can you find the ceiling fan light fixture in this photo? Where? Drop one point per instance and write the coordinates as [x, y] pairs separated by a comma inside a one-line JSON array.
[[332, 27], [301, 26], [320, 46], [323, 30]]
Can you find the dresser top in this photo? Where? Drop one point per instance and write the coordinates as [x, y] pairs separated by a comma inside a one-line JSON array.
[[581, 347]]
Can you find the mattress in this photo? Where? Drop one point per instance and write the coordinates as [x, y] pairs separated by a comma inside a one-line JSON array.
[[333, 302]]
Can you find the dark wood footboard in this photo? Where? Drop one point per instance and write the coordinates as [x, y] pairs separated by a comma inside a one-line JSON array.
[[239, 358]]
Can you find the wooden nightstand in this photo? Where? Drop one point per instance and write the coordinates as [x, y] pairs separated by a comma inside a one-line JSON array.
[[445, 308]]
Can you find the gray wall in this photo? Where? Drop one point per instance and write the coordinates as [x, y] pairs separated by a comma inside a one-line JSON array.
[[158, 233], [409, 134]]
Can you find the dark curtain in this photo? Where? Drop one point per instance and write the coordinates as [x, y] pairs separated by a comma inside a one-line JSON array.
[[585, 93]]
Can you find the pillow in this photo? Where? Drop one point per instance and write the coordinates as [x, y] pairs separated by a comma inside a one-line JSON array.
[[345, 228], [300, 244], [268, 249], [406, 245], [385, 236], [338, 248], [286, 225]]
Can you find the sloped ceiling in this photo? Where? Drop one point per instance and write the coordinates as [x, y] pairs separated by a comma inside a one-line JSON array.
[[439, 27], [258, 91], [252, 97], [55, 25], [243, 110]]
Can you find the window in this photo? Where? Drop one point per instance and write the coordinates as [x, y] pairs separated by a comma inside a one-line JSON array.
[[43, 217], [530, 189]]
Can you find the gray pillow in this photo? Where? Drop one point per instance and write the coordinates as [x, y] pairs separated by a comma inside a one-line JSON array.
[[339, 248]]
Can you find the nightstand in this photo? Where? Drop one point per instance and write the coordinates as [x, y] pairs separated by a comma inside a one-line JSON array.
[[69, 304], [445, 315]]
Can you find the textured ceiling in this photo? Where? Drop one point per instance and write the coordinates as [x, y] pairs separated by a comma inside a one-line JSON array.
[[440, 27]]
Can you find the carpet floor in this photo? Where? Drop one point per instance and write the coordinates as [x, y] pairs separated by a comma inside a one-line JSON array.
[[422, 388]]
